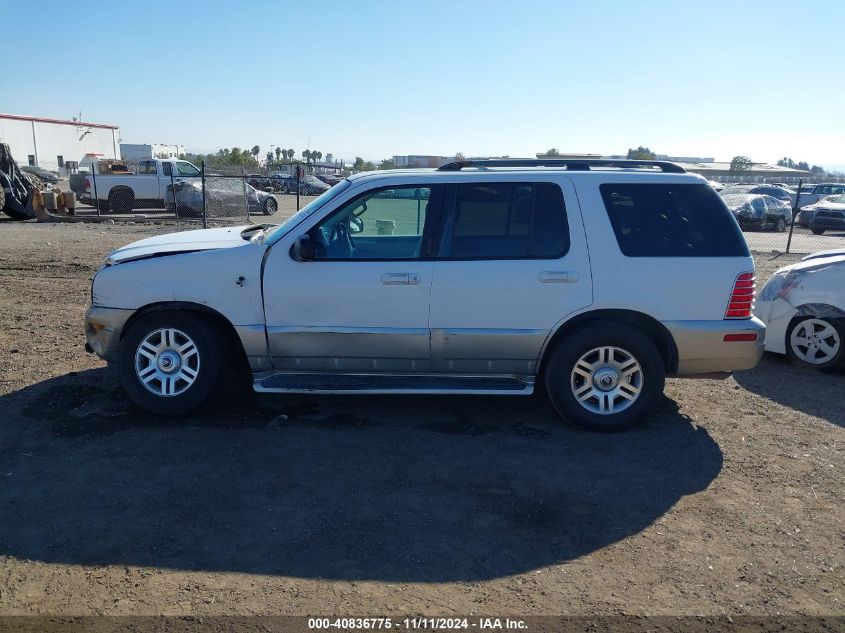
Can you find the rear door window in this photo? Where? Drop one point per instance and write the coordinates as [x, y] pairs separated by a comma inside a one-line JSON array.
[[671, 220], [503, 220]]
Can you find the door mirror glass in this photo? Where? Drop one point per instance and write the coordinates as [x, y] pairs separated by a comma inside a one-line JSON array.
[[303, 249]]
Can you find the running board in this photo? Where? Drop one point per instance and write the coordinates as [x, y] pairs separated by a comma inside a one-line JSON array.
[[273, 382]]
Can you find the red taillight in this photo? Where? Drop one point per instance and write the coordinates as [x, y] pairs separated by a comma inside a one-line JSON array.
[[731, 338], [742, 297], [87, 184]]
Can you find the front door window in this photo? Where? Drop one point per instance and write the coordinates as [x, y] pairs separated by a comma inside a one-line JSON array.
[[382, 224]]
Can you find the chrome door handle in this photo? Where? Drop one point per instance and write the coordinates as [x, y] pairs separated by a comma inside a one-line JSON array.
[[395, 279], [558, 276], [413, 279]]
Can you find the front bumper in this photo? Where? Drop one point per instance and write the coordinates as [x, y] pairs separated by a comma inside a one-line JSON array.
[[103, 327], [828, 223], [703, 350]]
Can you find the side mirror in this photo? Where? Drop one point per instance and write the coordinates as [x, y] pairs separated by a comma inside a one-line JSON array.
[[303, 249]]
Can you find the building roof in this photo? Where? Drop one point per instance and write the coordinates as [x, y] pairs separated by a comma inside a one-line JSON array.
[[756, 169], [18, 117]]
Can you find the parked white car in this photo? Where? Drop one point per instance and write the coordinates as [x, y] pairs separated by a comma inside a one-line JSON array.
[[598, 278], [803, 306]]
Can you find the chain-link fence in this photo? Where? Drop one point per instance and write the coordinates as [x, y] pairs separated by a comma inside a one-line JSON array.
[[208, 195], [776, 213], [793, 215]]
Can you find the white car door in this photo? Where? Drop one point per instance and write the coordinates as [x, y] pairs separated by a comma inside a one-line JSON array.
[[360, 304], [512, 263]]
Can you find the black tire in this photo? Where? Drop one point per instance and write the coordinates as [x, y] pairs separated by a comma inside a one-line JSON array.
[[210, 368], [559, 369], [121, 200], [780, 225], [834, 364], [270, 206], [817, 230]]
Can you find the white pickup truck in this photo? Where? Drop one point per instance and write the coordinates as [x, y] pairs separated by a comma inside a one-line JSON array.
[[145, 189]]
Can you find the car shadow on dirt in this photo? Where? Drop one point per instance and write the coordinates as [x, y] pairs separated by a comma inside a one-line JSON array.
[[800, 388], [398, 489]]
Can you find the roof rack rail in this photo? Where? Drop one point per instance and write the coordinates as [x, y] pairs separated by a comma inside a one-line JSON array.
[[574, 164]]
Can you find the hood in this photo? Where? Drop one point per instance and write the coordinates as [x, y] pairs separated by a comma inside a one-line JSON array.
[[181, 242], [812, 264], [831, 253]]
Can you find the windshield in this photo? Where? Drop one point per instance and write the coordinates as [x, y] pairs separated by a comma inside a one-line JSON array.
[[186, 169], [280, 231]]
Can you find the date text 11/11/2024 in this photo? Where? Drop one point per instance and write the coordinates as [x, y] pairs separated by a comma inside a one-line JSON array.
[[417, 624]]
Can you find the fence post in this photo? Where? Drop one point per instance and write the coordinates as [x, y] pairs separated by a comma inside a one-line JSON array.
[[173, 189], [795, 210], [96, 197], [246, 196], [204, 209], [297, 186]]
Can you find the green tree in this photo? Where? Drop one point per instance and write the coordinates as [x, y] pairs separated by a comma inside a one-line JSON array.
[[306, 154], [318, 156], [387, 163], [740, 164], [358, 165], [279, 154], [641, 153], [803, 165], [255, 151], [290, 154], [269, 157]]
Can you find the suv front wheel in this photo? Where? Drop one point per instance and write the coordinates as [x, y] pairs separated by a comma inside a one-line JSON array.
[[605, 377], [170, 362]]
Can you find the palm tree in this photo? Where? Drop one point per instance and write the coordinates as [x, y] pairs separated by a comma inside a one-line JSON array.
[[255, 151], [317, 156], [279, 154], [306, 154], [290, 154]]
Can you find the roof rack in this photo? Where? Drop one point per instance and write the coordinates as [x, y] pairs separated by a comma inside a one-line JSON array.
[[574, 164]]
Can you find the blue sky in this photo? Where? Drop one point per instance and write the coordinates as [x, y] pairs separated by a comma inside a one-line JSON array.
[[378, 78]]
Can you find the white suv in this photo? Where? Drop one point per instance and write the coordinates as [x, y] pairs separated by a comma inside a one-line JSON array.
[[597, 278]]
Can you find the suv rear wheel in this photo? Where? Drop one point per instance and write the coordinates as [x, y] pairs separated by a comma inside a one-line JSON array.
[[170, 362], [605, 377]]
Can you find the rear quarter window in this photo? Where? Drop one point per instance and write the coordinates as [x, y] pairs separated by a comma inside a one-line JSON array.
[[671, 220]]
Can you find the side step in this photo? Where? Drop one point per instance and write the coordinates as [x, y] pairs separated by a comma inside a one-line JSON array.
[[285, 382]]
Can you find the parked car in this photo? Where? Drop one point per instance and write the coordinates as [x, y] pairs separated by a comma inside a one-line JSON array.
[[329, 179], [49, 177], [815, 193], [487, 278], [285, 183], [223, 197], [803, 306], [779, 193], [145, 189], [311, 186], [834, 204], [756, 211]]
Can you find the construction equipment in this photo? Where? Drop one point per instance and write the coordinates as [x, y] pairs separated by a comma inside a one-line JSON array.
[[17, 187]]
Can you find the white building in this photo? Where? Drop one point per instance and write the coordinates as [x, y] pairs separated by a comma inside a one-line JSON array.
[[56, 144], [133, 152]]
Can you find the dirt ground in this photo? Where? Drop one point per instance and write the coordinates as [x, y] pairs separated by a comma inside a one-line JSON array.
[[729, 500]]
